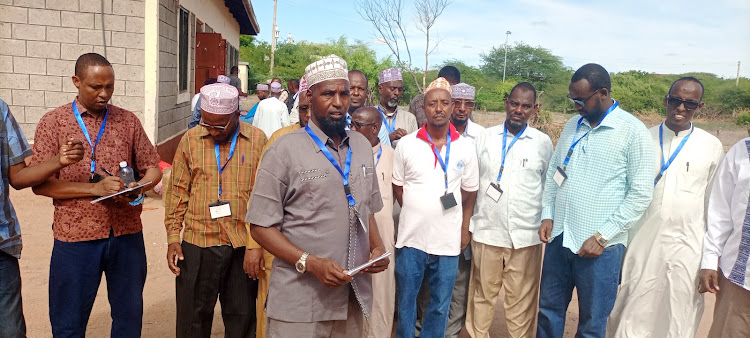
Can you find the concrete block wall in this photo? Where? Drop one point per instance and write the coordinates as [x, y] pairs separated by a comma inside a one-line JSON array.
[[174, 114], [41, 39]]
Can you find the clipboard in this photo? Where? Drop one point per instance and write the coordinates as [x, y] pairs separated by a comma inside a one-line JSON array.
[[354, 271], [120, 192]]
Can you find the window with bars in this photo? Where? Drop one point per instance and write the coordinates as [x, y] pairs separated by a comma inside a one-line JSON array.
[[183, 40]]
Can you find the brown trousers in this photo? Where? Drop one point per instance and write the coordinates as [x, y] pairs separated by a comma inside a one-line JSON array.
[[517, 272], [731, 312]]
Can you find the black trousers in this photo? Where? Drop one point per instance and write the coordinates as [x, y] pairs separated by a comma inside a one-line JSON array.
[[208, 273]]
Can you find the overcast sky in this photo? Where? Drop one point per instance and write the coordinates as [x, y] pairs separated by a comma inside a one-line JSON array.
[[659, 36]]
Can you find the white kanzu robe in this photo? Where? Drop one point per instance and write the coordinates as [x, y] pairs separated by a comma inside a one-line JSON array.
[[659, 288]]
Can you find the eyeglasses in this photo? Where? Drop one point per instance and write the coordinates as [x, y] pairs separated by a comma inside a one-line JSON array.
[[674, 102], [219, 128], [362, 125], [466, 104], [583, 102]]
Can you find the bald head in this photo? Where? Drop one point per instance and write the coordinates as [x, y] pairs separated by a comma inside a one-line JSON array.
[[367, 121]]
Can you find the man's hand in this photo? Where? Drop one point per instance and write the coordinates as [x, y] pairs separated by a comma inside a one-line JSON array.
[[174, 253], [465, 239], [70, 152], [397, 134], [254, 264], [709, 281], [380, 265], [545, 231], [328, 272], [591, 248], [107, 186]]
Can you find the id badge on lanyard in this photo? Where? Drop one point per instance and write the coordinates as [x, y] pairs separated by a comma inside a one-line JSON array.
[[221, 208], [494, 191], [94, 177], [448, 200], [344, 173]]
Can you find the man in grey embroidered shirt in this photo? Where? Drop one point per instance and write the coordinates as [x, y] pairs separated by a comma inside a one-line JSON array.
[[301, 212]]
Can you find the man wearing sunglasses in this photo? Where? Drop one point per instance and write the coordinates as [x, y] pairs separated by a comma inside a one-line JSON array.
[[213, 173], [599, 182], [661, 266]]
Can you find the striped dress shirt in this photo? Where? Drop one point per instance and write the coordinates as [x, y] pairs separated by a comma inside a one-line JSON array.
[[194, 184]]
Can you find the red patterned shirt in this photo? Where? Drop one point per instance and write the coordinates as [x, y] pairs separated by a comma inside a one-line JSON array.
[[124, 139]]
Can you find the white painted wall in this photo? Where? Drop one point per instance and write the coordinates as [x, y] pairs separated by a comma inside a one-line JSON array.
[[217, 15]]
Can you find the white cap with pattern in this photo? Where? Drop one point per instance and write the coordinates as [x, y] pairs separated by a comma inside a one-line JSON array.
[[330, 67]]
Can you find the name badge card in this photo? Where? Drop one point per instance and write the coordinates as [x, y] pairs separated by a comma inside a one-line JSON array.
[[494, 191], [448, 201], [560, 176], [219, 209]]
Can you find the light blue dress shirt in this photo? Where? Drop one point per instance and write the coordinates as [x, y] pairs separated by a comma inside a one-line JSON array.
[[610, 180]]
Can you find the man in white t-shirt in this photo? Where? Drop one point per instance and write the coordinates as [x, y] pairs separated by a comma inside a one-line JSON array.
[[435, 179]]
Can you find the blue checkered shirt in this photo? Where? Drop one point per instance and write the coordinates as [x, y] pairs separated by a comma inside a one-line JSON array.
[[14, 150], [610, 180]]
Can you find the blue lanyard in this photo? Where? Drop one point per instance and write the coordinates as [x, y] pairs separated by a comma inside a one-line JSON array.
[[380, 152], [506, 150], [329, 156], [391, 127], [580, 121], [229, 157], [665, 165], [444, 165], [86, 133]]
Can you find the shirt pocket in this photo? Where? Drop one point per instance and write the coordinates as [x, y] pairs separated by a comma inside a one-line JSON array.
[[531, 173], [316, 181], [361, 183], [695, 177]]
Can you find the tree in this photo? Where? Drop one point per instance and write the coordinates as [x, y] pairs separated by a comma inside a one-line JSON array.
[[534, 64], [386, 17]]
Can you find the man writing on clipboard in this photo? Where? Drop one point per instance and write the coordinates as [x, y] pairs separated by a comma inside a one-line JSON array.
[[105, 236]]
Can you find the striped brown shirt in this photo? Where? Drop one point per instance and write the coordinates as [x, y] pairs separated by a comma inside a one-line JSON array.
[[194, 184]]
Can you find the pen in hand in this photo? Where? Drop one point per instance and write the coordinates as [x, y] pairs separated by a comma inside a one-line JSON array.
[[106, 171]]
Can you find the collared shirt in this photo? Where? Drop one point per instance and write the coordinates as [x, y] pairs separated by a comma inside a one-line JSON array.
[[194, 185], [14, 149], [512, 221], [423, 224], [402, 119], [472, 131], [124, 139], [271, 115], [610, 180], [384, 173], [299, 192], [726, 242]]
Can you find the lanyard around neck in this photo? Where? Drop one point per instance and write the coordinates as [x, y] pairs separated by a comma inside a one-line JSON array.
[[392, 126], [347, 167], [380, 152], [580, 121], [506, 150], [666, 164], [85, 131], [443, 164], [229, 157]]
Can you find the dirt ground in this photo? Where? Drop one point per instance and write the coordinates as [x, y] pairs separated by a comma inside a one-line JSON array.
[[35, 215]]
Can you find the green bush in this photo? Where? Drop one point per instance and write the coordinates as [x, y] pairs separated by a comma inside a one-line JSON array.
[[743, 119]]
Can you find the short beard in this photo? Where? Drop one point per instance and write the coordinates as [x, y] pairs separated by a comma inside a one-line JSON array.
[[332, 126], [391, 104], [457, 122], [515, 124]]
